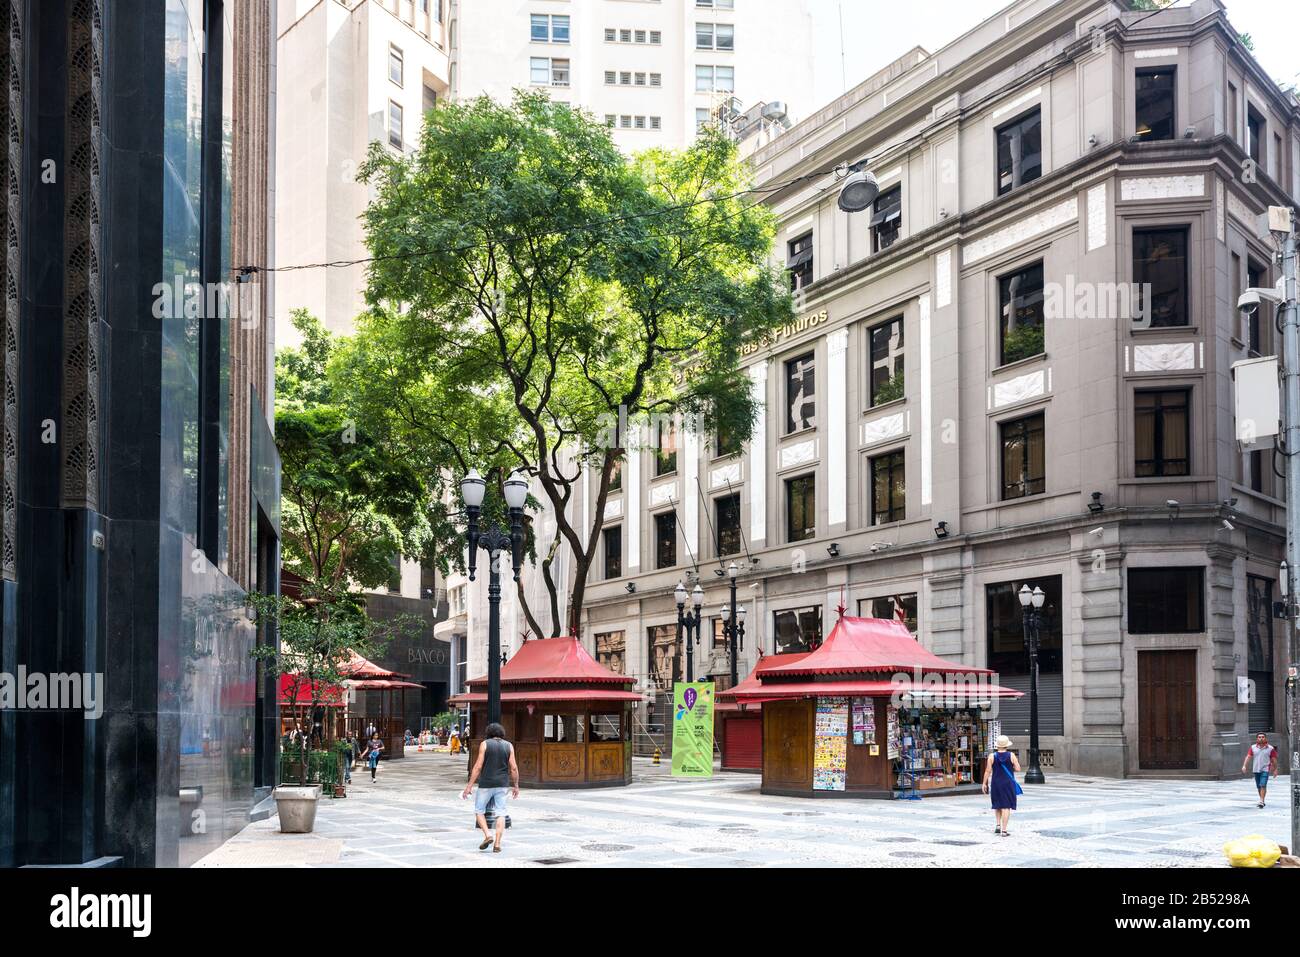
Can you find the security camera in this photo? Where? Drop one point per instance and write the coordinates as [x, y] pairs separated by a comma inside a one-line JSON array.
[[1230, 502], [1249, 300], [1228, 525]]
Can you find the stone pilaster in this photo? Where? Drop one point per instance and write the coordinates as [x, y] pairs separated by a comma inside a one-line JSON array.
[[1101, 747]]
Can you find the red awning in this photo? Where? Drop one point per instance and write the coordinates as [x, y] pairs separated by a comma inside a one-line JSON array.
[[554, 659], [726, 700], [858, 645], [330, 696], [923, 692], [551, 694]]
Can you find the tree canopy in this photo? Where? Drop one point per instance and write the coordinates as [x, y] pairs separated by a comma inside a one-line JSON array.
[[532, 287]]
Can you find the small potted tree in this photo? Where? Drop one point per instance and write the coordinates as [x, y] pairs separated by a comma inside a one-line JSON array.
[[318, 635]]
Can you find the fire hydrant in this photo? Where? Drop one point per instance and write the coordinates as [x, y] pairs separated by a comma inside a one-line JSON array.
[[657, 755]]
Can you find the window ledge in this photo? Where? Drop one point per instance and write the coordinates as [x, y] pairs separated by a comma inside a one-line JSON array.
[[1165, 331], [1018, 364], [1166, 479], [892, 403]]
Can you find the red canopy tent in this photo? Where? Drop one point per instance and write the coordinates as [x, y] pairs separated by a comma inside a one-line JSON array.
[[831, 718], [568, 716]]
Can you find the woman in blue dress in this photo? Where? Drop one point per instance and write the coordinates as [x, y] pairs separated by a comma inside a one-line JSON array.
[[1000, 783]]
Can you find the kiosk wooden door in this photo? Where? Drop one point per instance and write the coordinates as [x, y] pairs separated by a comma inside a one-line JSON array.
[[1167, 710]]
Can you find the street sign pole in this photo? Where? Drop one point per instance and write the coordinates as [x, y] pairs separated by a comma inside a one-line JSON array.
[[1291, 413]]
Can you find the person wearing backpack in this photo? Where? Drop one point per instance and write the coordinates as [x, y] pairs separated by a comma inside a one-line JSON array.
[[1000, 783]]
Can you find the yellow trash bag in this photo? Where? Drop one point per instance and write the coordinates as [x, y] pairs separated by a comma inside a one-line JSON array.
[[1254, 850]]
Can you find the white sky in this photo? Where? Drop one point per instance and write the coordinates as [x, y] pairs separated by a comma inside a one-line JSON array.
[[877, 32]]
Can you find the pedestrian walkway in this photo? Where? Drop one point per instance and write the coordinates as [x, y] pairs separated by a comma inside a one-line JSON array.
[[413, 817]]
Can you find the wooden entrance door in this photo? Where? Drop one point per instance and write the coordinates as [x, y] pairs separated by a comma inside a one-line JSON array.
[[1167, 710]]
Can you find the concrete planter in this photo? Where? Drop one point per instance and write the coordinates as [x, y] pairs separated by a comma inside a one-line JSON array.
[[296, 806]]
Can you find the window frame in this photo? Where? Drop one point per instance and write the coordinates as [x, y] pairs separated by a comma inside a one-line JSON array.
[[808, 498], [1181, 287], [1158, 465], [661, 521], [398, 128], [899, 361], [395, 55], [884, 210], [719, 503], [1006, 300], [1197, 611], [800, 263], [790, 425], [617, 531], [895, 466], [1018, 123], [1022, 421], [1152, 71]]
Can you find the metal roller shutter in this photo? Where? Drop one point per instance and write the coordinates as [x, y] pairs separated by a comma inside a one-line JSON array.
[[742, 745], [1260, 713], [1014, 713]]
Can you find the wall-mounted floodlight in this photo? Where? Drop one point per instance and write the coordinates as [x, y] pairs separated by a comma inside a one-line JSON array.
[[859, 191]]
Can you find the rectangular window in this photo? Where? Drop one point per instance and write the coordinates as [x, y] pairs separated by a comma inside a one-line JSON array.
[[640, 122], [656, 79], [539, 28], [1166, 601], [1023, 469], [656, 36], [611, 77], [624, 36], [640, 79], [1020, 152], [1160, 269], [395, 65], [666, 540], [560, 29], [665, 438], [1154, 99], [610, 649], [701, 118], [797, 629], [559, 72], [725, 81], [801, 508], [800, 393], [886, 348], [610, 119], [640, 36], [1007, 652], [395, 124], [703, 79], [727, 524], [1162, 433], [1261, 318], [539, 70], [1232, 113], [1255, 136], [429, 98], [616, 476], [1277, 157], [625, 78], [1020, 302], [664, 658], [1259, 651], [564, 728], [610, 34], [625, 122], [900, 608], [886, 219], [613, 540], [725, 442], [799, 252], [704, 36], [888, 488], [726, 36], [655, 123]]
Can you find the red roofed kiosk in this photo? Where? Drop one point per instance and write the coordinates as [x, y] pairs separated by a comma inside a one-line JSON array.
[[871, 713], [740, 726], [568, 716]]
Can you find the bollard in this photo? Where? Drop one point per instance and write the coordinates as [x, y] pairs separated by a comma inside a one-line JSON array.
[[657, 754]]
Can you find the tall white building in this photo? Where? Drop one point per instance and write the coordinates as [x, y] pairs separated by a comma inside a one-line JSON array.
[[652, 69], [350, 72]]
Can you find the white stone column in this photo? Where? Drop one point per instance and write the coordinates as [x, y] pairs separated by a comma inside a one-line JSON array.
[[757, 479], [632, 495], [927, 483], [837, 426], [690, 452]]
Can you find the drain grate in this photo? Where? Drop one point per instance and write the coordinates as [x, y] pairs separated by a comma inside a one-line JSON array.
[[556, 860], [607, 848]]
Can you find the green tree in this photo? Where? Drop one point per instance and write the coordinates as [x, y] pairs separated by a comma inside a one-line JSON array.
[[350, 503], [533, 288]]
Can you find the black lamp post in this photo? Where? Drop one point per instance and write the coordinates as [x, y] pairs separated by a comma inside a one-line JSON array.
[[494, 541], [689, 622], [733, 625], [1031, 603]]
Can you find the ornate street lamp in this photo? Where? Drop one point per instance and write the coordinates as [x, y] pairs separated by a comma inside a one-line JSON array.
[[689, 622], [1031, 603], [733, 627], [494, 540]]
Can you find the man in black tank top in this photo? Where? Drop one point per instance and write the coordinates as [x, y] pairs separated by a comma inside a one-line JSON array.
[[495, 772]]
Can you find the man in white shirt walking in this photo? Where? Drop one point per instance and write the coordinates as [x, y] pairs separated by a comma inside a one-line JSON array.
[[1262, 758]]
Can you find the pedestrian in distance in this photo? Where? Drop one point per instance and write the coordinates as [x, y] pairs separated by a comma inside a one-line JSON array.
[[1001, 785], [495, 772], [372, 755], [1262, 758], [348, 752]]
